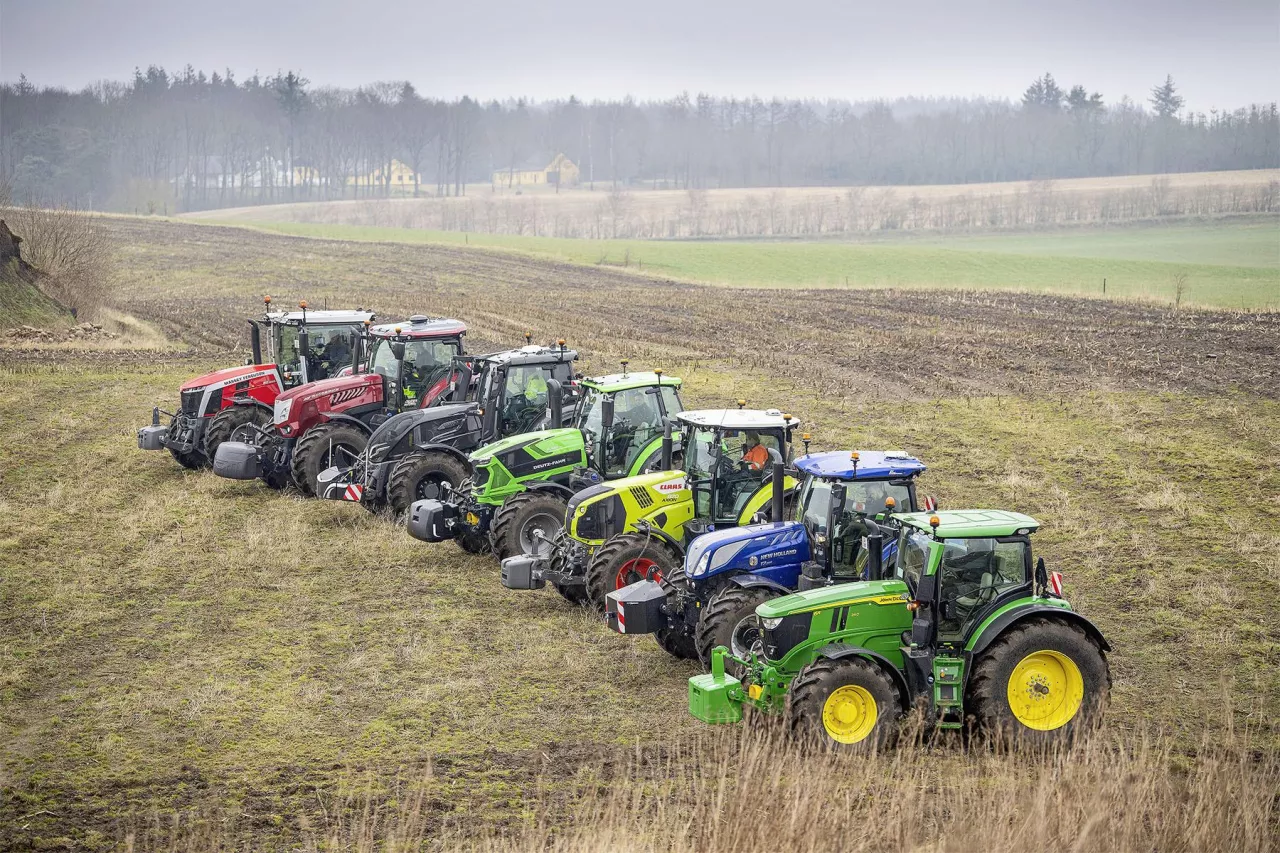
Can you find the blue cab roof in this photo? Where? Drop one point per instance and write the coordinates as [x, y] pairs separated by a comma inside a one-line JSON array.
[[872, 465]]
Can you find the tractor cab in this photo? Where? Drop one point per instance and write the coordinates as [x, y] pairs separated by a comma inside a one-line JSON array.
[[415, 360], [622, 415], [520, 390], [308, 345], [728, 457]]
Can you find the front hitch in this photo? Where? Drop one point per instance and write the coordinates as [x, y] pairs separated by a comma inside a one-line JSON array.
[[716, 697], [338, 484]]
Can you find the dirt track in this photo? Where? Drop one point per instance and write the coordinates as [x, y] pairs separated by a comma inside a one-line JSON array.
[[199, 282]]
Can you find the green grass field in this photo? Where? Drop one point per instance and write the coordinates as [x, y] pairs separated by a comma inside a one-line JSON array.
[[1231, 264]]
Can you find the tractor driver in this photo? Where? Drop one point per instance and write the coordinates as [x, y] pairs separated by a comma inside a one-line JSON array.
[[337, 354], [755, 456], [526, 399]]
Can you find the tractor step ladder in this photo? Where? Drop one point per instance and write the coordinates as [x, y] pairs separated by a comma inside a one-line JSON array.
[[948, 691]]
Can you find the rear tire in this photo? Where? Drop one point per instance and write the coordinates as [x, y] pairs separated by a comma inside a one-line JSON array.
[[625, 559], [847, 704], [677, 642], [1042, 681], [729, 620], [223, 426], [322, 446], [423, 475], [515, 522]]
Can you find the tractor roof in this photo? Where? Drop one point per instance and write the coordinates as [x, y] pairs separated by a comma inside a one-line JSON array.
[[966, 523], [871, 465], [320, 318], [634, 379], [531, 354], [737, 419], [419, 326]]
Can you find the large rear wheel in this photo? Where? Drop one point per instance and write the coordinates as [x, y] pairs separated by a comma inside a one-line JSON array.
[[1042, 681], [625, 559], [847, 704], [325, 445], [526, 524], [234, 423], [425, 474], [729, 619]]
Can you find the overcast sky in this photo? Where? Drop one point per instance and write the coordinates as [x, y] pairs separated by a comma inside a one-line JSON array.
[[1222, 53]]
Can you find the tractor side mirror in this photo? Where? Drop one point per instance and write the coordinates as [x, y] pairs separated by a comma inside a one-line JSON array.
[[606, 412], [397, 349], [304, 343]]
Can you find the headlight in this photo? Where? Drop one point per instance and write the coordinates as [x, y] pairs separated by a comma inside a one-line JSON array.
[[770, 624], [703, 564], [282, 409]]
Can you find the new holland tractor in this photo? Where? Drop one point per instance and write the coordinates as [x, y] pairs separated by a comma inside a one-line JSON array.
[[962, 624], [422, 453], [516, 499], [213, 405], [409, 365], [637, 528], [711, 600]]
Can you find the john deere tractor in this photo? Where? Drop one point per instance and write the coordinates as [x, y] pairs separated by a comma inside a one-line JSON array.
[[521, 486], [727, 574], [962, 624], [637, 528], [214, 405], [314, 426], [422, 453]]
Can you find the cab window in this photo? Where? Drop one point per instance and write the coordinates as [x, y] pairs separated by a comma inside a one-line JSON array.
[[524, 398], [637, 421], [913, 556], [974, 573]]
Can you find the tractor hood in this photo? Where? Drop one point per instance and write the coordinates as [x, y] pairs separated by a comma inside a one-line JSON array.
[[334, 385], [892, 591], [516, 442], [222, 377], [437, 424], [754, 548]]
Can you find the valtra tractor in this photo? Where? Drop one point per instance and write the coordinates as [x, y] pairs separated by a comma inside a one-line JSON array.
[[637, 528], [213, 405], [409, 365], [961, 624], [515, 502], [712, 599], [423, 453]]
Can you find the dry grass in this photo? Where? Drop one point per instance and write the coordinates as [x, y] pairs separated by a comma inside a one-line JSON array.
[[73, 250]]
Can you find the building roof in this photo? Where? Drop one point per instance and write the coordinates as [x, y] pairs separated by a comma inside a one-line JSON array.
[[320, 318], [965, 523], [737, 419], [871, 465], [632, 379], [419, 326]]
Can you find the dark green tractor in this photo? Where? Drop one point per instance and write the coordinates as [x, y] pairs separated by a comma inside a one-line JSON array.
[[962, 624]]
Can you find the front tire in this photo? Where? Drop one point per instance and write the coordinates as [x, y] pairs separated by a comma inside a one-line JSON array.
[[729, 619], [1040, 682], [515, 524], [847, 704], [232, 424], [324, 445], [625, 559], [426, 474], [677, 642]]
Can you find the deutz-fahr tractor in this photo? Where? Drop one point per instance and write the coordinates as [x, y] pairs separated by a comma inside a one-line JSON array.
[[323, 423], [515, 502], [961, 624], [727, 574], [423, 453], [637, 528], [213, 405]]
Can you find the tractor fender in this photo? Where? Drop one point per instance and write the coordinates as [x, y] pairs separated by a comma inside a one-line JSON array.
[[836, 651], [348, 419], [988, 633], [659, 533], [250, 401], [446, 449], [757, 582], [557, 489]]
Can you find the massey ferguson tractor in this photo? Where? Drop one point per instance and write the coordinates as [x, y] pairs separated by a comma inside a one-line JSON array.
[[520, 486], [409, 365], [711, 600], [962, 623], [422, 453], [302, 346], [637, 528]]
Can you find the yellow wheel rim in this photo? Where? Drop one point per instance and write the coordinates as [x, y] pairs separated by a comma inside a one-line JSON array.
[[849, 714], [1045, 690]]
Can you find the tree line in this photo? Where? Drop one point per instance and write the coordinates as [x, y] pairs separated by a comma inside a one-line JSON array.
[[185, 141]]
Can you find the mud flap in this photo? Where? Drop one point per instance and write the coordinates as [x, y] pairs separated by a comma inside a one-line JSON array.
[[524, 572], [637, 608], [151, 437], [237, 460], [432, 520]]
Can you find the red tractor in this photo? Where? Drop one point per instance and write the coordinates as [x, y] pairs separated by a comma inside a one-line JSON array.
[[410, 365], [214, 405]]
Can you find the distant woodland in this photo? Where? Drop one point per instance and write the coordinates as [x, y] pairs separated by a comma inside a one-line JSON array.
[[173, 142]]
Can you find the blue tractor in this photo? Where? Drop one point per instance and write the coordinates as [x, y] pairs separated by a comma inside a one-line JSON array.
[[712, 597]]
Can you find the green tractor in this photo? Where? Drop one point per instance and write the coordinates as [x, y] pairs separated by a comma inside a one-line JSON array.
[[962, 624], [637, 528], [520, 486]]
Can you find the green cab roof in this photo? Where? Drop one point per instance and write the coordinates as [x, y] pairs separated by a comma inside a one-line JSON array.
[[632, 379], [965, 523]]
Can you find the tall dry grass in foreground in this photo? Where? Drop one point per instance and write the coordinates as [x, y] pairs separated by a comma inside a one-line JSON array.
[[757, 793]]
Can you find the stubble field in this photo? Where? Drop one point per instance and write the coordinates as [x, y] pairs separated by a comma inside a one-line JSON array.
[[191, 661]]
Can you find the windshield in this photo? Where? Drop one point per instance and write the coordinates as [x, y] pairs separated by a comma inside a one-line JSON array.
[[331, 349], [913, 555], [426, 362], [524, 398], [637, 421], [591, 414]]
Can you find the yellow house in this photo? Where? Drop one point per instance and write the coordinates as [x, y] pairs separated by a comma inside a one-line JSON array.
[[561, 171], [401, 176]]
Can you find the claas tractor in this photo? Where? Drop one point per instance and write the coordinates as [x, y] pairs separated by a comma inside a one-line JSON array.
[[637, 528], [711, 600], [422, 453], [520, 487], [212, 406], [409, 365], [962, 624]]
